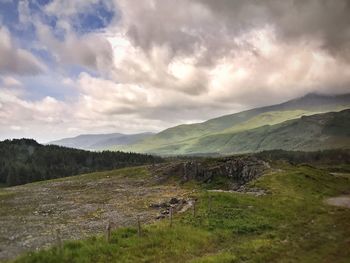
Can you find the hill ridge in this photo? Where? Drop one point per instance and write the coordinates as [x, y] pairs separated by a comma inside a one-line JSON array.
[[246, 120]]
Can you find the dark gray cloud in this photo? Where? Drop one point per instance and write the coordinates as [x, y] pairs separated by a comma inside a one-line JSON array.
[[288, 44], [326, 20], [186, 25]]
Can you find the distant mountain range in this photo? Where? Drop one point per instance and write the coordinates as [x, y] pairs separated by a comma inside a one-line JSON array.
[[312, 122], [101, 141], [250, 130]]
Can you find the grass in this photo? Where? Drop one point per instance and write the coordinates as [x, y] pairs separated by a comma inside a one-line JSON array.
[[291, 224], [182, 137], [255, 132], [138, 172]]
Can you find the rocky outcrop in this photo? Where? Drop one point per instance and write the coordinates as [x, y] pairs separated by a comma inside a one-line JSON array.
[[177, 204], [239, 169]]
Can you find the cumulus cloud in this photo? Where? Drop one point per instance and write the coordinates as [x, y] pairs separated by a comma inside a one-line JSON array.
[[20, 117], [160, 64], [91, 50], [326, 20], [9, 81], [102, 105], [230, 50], [16, 60]]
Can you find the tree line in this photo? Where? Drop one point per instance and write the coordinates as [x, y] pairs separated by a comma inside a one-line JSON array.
[[24, 160], [334, 156]]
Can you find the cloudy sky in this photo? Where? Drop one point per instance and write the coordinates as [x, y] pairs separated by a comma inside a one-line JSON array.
[[96, 66]]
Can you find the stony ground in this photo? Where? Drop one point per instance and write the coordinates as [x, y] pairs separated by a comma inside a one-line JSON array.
[[78, 206], [283, 216], [342, 201]]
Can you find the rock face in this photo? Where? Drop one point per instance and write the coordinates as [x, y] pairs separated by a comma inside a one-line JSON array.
[[239, 169]]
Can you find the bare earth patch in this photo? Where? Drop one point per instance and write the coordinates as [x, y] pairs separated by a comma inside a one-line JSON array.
[[342, 201], [79, 206]]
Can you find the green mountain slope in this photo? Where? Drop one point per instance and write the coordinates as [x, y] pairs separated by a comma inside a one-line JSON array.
[[210, 136], [101, 141], [308, 133]]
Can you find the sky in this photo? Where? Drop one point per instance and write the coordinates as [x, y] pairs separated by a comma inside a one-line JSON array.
[[100, 66]]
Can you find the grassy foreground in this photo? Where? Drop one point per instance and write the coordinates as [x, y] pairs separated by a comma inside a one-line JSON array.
[[289, 224]]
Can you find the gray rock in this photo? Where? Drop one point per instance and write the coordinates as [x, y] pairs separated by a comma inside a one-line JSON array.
[[239, 169]]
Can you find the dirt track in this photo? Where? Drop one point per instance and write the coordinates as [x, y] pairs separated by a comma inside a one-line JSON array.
[[342, 201], [78, 206]]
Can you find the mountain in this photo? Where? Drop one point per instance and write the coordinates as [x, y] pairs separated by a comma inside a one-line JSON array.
[[308, 133], [216, 135], [101, 141]]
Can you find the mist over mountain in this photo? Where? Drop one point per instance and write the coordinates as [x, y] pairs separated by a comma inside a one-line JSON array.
[[101, 141]]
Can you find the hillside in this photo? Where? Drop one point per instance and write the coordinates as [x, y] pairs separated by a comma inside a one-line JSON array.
[[287, 215], [101, 141], [308, 133], [24, 161], [212, 135]]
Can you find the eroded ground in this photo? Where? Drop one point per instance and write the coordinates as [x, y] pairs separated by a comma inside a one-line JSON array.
[[279, 217], [78, 206], [342, 201]]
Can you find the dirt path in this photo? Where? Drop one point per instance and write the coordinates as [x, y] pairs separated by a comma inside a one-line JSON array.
[[342, 201], [249, 191], [78, 206]]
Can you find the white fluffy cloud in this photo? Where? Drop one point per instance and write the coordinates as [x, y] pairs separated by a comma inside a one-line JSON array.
[[91, 51], [9, 81], [161, 64], [16, 60]]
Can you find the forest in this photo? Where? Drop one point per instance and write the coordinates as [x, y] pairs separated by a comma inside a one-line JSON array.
[[24, 160], [325, 157]]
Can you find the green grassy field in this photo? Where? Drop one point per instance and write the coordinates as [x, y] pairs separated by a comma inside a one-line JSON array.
[[291, 223]]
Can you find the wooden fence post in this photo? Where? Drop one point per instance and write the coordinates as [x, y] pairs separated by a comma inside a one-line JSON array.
[[59, 239], [194, 208], [108, 232], [209, 204], [139, 226], [171, 216]]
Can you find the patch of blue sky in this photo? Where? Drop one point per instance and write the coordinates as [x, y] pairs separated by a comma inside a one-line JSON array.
[[99, 18], [75, 70], [42, 2], [9, 13], [52, 85], [9, 17], [45, 56]]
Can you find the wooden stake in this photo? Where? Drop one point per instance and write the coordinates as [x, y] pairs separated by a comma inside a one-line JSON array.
[[108, 232], [139, 226], [209, 205], [194, 208], [171, 216], [59, 239]]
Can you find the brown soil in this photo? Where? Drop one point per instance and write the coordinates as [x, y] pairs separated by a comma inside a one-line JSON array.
[[78, 206]]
